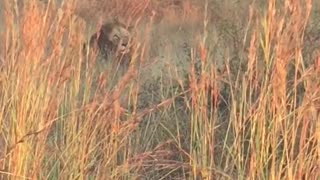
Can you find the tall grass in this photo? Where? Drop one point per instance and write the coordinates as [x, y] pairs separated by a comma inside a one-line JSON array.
[[67, 115]]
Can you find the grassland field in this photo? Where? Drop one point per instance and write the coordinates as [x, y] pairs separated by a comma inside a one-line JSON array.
[[214, 90]]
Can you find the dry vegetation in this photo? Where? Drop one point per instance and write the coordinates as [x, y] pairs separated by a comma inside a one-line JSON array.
[[215, 90]]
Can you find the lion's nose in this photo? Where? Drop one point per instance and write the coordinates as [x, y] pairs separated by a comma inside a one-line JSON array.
[[124, 44]]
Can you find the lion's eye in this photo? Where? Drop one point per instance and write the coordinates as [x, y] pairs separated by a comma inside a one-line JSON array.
[[116, 38]]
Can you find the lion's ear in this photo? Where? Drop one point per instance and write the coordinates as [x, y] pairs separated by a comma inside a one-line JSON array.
[[130, 28], [115, 19]]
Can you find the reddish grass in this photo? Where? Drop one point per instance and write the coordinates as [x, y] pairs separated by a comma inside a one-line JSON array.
[[61, 118]]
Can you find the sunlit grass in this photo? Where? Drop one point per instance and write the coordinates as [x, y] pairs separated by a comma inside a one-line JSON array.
[[67, 115]]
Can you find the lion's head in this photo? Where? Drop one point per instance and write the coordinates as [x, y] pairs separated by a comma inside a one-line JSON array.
[[112, 38]]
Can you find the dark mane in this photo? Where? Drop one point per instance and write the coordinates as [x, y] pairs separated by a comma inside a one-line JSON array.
[[100, 38]]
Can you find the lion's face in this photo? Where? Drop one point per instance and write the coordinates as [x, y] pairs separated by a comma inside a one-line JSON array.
[[113, 37], [119, 36]]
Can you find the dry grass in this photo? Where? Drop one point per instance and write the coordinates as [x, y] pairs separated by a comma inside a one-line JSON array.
[[200, 100]]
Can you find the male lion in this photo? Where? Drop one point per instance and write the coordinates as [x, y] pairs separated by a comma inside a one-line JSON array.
[[113, 41]]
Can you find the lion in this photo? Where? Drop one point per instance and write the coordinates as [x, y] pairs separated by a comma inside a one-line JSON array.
[[113, 40]]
